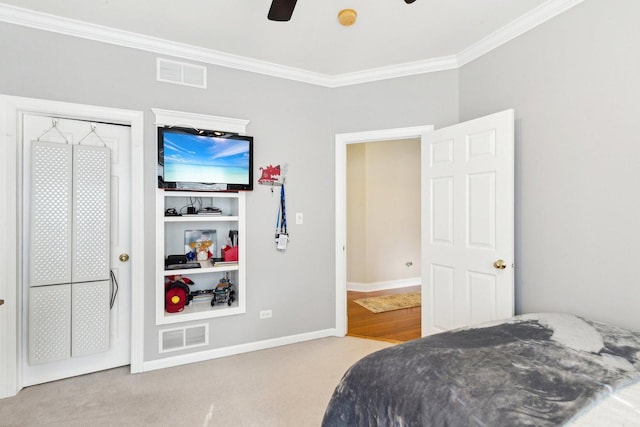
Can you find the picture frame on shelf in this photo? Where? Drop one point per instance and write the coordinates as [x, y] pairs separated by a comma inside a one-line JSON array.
[[200, 245]]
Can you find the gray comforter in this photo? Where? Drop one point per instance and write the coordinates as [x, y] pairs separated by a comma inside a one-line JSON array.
[[533, 370]]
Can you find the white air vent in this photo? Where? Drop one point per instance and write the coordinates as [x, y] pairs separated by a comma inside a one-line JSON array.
[[181, 73], [183, 338]]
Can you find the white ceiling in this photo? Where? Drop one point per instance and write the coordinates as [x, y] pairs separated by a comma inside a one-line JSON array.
[[388, 33]]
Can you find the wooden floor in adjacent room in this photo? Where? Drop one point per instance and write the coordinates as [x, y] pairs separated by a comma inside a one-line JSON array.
[[396, 326]]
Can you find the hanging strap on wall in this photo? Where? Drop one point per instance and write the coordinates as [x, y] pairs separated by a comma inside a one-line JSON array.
[[282, 237]]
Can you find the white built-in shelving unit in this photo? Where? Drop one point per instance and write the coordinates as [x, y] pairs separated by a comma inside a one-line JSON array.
[[170, 230], [170, 240]]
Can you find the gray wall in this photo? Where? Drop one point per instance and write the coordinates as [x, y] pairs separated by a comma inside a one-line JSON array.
[[292, 123], [428, 99], [574, 85]]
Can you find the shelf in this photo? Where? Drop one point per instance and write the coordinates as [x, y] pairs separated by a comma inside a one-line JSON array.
[[201, 310], [200, 218], [186, 271], [214, 194], [170, 240]]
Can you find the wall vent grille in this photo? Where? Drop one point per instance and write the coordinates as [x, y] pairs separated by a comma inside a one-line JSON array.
[[181, 73], [182, 338]]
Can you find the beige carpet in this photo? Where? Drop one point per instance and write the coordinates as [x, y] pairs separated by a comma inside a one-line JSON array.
[[284, 386], [390, 302]]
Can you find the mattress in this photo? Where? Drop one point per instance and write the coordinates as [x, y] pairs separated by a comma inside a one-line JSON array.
[[545, 369], [620, 408]]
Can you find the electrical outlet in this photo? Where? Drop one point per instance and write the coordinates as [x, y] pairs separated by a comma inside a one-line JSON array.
[[266, 314]]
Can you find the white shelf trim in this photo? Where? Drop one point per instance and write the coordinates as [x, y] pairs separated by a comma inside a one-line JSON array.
[[200, 311], [191, 271], [200, 218], [199, 121]]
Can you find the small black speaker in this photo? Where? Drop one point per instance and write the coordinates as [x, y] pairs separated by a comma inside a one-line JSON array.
[[176, 259]]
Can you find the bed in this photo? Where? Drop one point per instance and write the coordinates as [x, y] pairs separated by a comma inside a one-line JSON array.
[[544, 369]]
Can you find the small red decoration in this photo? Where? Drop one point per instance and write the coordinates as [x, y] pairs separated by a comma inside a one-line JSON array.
[[270, 175]]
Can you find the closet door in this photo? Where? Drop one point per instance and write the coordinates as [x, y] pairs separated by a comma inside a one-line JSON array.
[[99, 311]]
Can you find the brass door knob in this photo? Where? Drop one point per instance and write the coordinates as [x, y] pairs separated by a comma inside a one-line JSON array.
[[1, 301], [500, 264], [124, 257]]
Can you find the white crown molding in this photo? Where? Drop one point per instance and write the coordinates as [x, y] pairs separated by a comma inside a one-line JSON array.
[[42, 21], [85, 30], [394, 71], [524, 23]]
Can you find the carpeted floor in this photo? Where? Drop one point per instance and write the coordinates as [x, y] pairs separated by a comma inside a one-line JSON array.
[[284, 386]]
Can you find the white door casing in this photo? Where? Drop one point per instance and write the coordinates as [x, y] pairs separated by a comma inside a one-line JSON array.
[[12, 110], [117, 139], [468, 223], [341, 142]]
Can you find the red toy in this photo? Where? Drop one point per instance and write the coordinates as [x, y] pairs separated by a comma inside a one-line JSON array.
[[177, 294]]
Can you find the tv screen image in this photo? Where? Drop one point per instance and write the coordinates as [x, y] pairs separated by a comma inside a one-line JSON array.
[[195, 159]]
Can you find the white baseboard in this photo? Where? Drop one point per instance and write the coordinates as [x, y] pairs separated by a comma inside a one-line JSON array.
[[201, 356], [381, 286]]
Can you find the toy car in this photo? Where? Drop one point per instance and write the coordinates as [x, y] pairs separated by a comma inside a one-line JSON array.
[[223, 292]]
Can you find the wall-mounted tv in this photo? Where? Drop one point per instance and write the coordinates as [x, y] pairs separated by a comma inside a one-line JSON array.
[[204, 160]]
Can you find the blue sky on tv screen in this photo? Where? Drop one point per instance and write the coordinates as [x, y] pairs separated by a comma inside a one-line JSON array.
[[196, 158]]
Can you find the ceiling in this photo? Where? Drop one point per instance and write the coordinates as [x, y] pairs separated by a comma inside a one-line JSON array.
[[387, 33]]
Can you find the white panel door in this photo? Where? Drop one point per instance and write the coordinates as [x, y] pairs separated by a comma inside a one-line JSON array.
[[467, 223], [118, 139]]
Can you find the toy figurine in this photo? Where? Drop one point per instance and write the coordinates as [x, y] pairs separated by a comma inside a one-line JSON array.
[[223, 292], [202, 249]]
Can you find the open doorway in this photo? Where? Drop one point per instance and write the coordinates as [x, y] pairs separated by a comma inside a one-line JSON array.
[[383, 239], [399, 136]]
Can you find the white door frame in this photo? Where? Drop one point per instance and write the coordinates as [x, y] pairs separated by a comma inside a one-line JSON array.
[[11, 110], [341, 142]]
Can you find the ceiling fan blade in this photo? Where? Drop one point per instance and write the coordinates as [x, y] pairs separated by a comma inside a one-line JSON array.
[[281, 10]]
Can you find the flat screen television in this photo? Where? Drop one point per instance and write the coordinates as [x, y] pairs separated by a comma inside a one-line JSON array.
[[203, 160]]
